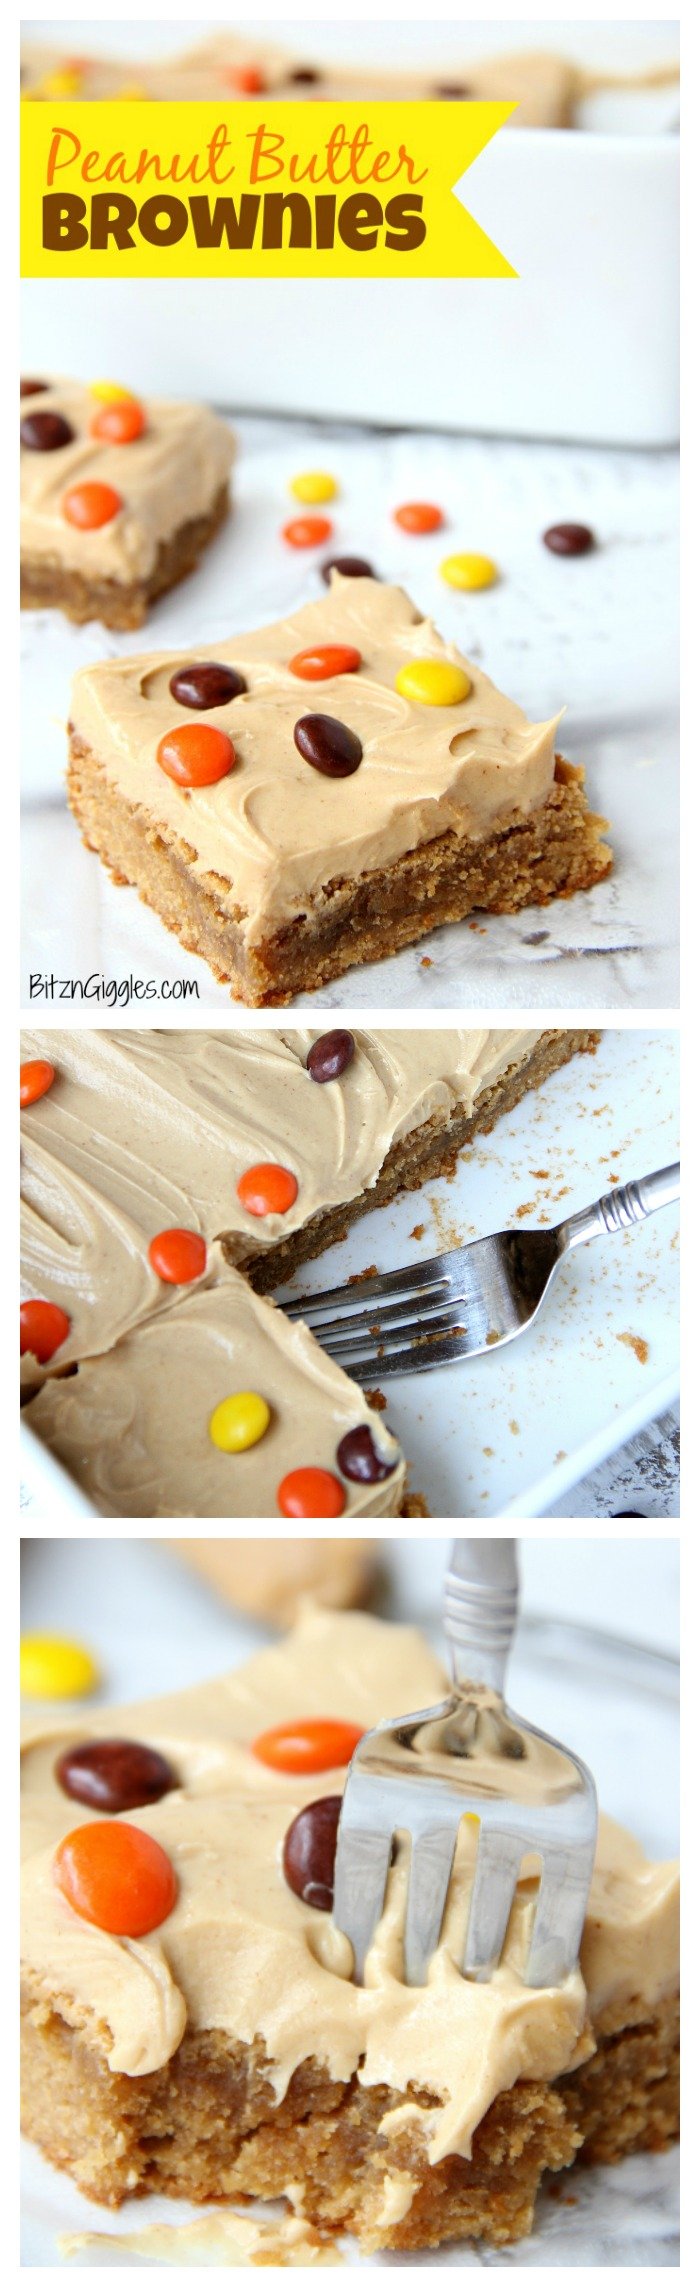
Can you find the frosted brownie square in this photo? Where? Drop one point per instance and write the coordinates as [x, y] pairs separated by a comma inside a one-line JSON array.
[[323, 791], [119, 496]]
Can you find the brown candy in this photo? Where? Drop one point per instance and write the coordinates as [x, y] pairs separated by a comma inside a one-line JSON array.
[[359, 1460], [328, 745], [114, 1774], [331, 1055], [569, 539], [305, 76], [44, 432], [206, 684], [352, 568], [308, 1857], [452, 92], [32, 388]]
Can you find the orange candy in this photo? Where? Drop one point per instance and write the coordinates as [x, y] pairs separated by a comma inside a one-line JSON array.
[[43, 1326], [116, 1876], [195, 754], [316, 1744], [178, 1257], [35, 1079], [327, 659], [90, 505], [119, 424], [247, 79], [419, 516], [307, 531], [267, 1189], [310, 1493]]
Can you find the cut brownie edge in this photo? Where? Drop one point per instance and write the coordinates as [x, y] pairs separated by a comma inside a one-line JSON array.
[[531, 860], [46, 583]]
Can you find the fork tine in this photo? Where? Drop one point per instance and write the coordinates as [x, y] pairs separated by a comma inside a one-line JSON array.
[[415, 1330], [353, 1324], [406, 1281], [498, 1862], [419, 1358], [432, 1854], [559, 1919], [361, 1868]]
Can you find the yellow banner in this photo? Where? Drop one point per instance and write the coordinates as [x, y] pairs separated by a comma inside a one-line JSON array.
[[255, 189]]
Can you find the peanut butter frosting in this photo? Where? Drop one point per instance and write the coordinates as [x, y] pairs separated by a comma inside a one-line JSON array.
[[275, 831], [166, 478], [240, 1953]]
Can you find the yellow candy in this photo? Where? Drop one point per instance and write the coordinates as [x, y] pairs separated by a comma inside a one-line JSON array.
[[313, 486], [433, 682], [111, 393], [53, 1667], [469, 571], [131, 92], [59, 83], [239, 1421]]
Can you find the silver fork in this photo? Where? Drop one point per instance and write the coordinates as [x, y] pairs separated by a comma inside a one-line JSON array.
[[471, 1299], [470, 1756]]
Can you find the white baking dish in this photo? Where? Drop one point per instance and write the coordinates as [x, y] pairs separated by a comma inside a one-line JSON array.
[[516, 1430]]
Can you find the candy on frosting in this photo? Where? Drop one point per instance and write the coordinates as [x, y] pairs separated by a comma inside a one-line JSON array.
[[223, 1828], [276, 830], [168, 474]]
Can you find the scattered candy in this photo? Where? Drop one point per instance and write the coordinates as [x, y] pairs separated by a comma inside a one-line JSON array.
[[114, 1774], [469, 571], [120, 423], [350, 567], [330, 1055], [313, 486], [195, 754], [307, 531], [54, 1667], [110, 393], [207, 684], [117, 1877], [358, 1458], [29, 388], [61, 83], [35, 1079], [178, 1257], [45, 432], [569, 539], [239, 1422], [43, 1326], [246, 79], [308, 1856], [419, 516], [310, 1493], [327, 659], [267, 1189], [433, 683], [328, 745], [318, 1743], [89, 506]]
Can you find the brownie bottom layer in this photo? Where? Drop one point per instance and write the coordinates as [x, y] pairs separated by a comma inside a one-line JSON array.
[[430, 1151], [206, 2127], [528, 861], [46, 582]]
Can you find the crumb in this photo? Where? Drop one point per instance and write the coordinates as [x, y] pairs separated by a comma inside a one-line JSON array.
[[636, 1343], [377, 1400], [418, 1231], [539, 1174], [426, 962], [356, 1276], [514, 1427], [492, 1336], [560, 1456], [488, 1450], [527, 1208]]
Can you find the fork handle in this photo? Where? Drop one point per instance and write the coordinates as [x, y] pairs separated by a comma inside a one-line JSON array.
[[480, 1609], [619, 1210]]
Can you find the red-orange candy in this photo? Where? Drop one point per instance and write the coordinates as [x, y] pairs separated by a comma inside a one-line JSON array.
[[35, 1079], [267, 1189], [328, 659], [90, 505], [247, 79], [178, 1257], [116, 1876], [315, 1744], [119, 424], [419, 516], [310, 1493], [307, 531], [196, 754], [43, 1326]]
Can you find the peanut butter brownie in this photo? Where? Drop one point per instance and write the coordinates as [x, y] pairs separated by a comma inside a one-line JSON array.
[[118, 497], [208, 2041], [323, 792]]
